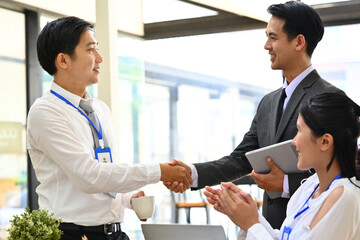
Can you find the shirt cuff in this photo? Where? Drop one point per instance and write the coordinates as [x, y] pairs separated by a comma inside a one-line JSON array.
[[127, 198], [286, 191], [257, 231], [194, 175], [153, 171]]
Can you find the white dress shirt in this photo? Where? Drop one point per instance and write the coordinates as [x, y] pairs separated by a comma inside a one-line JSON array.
[[72, 182], [342, 221]]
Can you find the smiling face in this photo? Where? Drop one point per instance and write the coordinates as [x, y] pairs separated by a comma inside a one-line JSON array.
[[307, 146], [84, 66], [281, 50]]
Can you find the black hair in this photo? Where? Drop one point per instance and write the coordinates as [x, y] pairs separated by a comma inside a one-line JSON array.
[[300, 18], [358, 161], [338, 115], [59, 36]]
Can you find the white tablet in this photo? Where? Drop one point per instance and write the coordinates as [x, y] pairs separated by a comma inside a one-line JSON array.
[[284, 156]]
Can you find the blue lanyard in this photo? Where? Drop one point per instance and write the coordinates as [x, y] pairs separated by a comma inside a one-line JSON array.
[[287, 229], [99, 132], [301, 211]]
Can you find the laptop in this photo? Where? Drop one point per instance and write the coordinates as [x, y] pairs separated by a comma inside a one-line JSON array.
[[183, 232]]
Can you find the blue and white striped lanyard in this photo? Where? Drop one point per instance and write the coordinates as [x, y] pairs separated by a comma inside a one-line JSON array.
[[99, 132], [287, 229]]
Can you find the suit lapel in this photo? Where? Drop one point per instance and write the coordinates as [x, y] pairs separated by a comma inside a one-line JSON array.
[[274, 108], [294, 102]]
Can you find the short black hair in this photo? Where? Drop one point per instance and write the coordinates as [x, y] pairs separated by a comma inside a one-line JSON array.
[[59, 36], [300, 18]]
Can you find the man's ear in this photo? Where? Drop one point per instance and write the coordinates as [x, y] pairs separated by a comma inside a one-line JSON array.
[[300, 42], [62, 61]]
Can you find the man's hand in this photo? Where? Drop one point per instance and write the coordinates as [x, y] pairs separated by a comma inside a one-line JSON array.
[[272, 181], [137, 195], [178, 186], [176, 173]]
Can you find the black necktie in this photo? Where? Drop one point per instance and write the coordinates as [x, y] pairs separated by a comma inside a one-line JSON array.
[[280, 107]]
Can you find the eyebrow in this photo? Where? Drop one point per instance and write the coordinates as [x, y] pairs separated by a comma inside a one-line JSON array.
[[92, 43], [270, 34]]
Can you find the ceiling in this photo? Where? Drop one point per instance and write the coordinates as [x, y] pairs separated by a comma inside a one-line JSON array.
[[232, 15]]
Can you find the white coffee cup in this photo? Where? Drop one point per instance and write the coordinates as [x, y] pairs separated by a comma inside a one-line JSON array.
[[144, 206]]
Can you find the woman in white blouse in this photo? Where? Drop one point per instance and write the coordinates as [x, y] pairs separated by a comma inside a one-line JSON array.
[[327, 204]]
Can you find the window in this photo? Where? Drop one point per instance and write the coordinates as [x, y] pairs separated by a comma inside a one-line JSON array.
[[174, 106], [13, 158]]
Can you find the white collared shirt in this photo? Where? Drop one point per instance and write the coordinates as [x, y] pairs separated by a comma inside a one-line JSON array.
[[342, 221], [290, 88], [72, 181]]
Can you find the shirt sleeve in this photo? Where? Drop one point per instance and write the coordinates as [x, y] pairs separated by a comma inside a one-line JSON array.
[[53, 135], [127, 198], [194, 175], [286, 191], [342, 220], [259, 231]]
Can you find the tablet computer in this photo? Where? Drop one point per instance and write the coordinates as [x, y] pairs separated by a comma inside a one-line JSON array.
[[283, 154]]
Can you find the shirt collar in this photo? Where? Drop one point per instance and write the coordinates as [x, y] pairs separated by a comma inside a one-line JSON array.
[[290, 88], [73, 98]]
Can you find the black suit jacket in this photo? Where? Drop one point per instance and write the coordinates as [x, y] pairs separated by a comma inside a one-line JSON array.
[[263, 133]]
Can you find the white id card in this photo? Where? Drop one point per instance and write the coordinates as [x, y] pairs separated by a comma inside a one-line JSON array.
[[103, 155]]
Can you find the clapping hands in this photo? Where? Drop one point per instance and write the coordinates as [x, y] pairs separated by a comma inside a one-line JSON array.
[[235, 203]]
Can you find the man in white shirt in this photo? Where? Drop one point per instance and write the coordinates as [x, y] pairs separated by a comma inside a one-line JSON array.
[[81, 179], [293, 33]]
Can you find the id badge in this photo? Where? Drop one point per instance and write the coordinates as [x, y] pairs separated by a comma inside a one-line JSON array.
[[286, 233], [103, 155]]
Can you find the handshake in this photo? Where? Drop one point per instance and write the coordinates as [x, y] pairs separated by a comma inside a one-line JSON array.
[[176, 175]]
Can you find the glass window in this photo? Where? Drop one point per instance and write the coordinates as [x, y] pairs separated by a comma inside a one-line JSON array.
[[211, 123], [143, 124], [176, 106], [337, 58], [13, 158]]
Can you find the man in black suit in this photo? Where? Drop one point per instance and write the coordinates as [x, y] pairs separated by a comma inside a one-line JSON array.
[[293, 32]]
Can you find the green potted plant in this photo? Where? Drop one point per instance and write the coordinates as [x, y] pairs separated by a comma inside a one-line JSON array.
[[35, 225]]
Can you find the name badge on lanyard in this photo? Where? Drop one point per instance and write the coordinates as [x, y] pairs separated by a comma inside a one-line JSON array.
[[102, 154], [286, 233], [304, 208]]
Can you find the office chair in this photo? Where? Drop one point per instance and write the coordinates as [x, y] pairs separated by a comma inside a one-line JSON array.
[[181, 202]]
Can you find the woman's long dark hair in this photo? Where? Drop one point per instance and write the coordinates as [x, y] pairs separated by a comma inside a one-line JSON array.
[[338, 115]]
